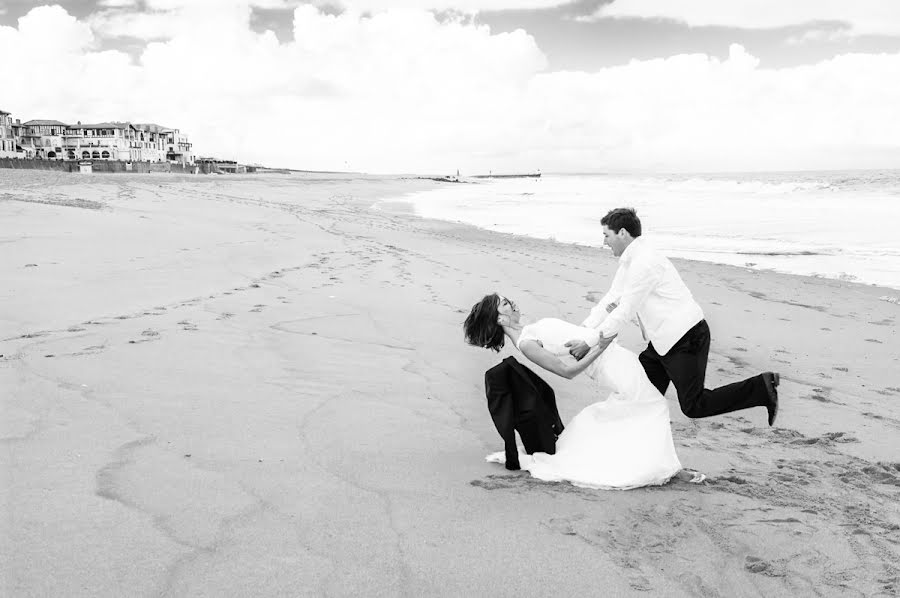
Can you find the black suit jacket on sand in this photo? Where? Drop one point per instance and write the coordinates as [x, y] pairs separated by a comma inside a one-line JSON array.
[[519, 400]]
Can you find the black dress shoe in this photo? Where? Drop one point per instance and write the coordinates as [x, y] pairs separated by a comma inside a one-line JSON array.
[[771, 380]]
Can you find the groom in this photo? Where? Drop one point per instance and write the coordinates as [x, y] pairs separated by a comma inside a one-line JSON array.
[[647, 287]]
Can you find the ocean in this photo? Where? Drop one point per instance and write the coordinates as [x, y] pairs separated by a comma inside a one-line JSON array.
[[837, 224]]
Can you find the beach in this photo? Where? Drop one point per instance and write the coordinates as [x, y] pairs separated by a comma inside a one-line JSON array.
[[257, 385]]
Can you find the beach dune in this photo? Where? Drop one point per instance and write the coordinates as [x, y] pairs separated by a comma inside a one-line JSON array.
[[258, 386]]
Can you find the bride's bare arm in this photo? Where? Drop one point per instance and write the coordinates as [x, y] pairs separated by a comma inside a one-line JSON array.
[[550, 362]]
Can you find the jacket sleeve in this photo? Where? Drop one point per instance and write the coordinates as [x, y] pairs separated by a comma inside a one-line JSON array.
[[500, 403]]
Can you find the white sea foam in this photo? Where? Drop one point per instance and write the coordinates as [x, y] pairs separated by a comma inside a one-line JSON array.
[[840, 225]]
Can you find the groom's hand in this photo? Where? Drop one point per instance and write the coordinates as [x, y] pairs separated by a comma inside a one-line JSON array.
[[577, 349]]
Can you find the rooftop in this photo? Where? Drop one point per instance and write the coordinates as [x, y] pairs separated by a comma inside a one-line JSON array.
[[110, 125], [153, 128], [44, 122]]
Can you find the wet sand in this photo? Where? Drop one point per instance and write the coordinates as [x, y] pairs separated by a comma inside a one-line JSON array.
[[257, 386]]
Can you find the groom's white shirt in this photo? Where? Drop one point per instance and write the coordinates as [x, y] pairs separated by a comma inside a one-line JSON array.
[[648, 287]]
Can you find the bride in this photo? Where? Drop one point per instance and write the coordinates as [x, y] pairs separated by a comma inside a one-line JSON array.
[[620, 443]]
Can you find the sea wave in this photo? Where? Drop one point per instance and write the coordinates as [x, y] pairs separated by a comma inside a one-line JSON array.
[[802, 223], [703, 185], [785, 253]]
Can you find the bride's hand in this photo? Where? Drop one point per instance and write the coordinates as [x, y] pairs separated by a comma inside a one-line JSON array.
[[577, 349]]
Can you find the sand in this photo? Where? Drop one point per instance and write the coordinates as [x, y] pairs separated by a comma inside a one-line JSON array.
[[257, 386]]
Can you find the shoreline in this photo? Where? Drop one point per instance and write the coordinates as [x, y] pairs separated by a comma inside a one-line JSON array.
[[257, 385], [404, 208], [800, 243]]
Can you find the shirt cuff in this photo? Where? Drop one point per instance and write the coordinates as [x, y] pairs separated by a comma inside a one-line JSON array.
[[598, 314]]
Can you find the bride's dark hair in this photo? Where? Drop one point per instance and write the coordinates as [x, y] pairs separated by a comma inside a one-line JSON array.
[[481, 326]]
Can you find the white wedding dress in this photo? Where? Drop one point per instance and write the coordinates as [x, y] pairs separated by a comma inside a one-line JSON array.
[[622, 442]]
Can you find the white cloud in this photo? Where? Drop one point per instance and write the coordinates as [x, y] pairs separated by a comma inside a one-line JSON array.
[[401, 92], [879, 17], [117, 3], [820, 35], [468, 6]]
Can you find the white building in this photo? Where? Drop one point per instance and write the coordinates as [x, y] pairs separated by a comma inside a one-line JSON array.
[[178, 148], [101, 141], [7, 137], [149, 143], [43, 139]]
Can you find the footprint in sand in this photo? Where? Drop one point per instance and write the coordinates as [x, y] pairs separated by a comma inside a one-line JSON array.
[[563, 525], [92, 350], [880, 473], [225, 316], [75, 329], [820, 395], [187, 325], [755, 564], [148, 335], [34, 334], [731, 479], [258, 307]]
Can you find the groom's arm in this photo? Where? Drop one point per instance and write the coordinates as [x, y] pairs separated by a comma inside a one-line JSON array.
[[643, 276], [599, 311]]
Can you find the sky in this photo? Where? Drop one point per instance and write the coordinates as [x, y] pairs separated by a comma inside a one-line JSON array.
[[432, 86]]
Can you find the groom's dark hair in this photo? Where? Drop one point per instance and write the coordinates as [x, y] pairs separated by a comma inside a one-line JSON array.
[[481, 326], [621, 218]]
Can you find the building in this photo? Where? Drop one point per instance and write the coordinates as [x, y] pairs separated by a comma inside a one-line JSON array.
[[150, 142], [7, 138], [101, 141], [123, 141], [216, 165], [18, 132], [178, 148], [43, 139]]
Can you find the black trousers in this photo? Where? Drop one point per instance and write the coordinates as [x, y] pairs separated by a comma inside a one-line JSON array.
[[685, 367]]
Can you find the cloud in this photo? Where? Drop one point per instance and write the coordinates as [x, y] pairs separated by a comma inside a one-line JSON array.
[[862, 17], [117, 3], [467, 6], [834, 34], [402, 91]]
